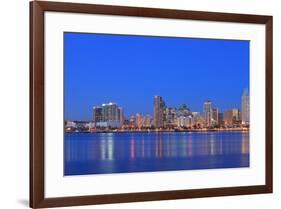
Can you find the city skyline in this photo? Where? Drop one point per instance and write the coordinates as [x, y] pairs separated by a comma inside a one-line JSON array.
[[133, 69], [108, 116], [244, 101]]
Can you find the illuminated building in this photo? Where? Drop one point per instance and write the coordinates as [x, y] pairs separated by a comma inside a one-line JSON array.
[[97, 114], [147, 121], [183, 121], [215, 116], [108, 115], [220, 119], [210, 114], [158, 109], [231, 117], [139, 120], [110, 112], [184, 111], [132, 121], [170, 119], [245, 108], [197, 120], [121, 115]]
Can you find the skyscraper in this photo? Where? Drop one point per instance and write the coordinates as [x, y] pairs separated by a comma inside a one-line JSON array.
[[245, 107], [184, 111], [170, 119], [97, 114], [139, 120], [211, 114], [121, 115], [220, 119], [215, 116], [147, 121], [231, 117], [158, 109], [108, 115], [132, 121], [110, 112], [208, 109]]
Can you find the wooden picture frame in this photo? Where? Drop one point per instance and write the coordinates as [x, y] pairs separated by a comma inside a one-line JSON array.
[[37, 132]]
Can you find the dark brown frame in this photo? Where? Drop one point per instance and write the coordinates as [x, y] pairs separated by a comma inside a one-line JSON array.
[[37, 197]]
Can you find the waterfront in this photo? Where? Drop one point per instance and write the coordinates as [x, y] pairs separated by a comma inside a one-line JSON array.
[[101, 153]]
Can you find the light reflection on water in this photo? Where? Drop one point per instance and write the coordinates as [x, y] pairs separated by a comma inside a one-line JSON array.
[[93, 153]]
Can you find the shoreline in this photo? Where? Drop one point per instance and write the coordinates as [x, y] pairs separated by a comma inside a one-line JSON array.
[[162, 131]]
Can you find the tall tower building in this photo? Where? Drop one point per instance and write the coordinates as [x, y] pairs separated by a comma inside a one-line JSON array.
[[158, 109], [132, 121], [245, 107], [208, 113], [231, 117], [215, 116], [121, 117], [110, 112], [211, 114], [108, 115], [139, 120], [97, 114], [170, 119], [147, 121], [220, 119]]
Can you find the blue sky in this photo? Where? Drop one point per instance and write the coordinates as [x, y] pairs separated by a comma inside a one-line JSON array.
[[130, 70]]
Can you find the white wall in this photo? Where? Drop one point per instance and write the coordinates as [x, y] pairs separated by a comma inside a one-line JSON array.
[[14, 48]]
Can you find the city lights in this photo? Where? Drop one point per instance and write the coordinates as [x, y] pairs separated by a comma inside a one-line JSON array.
[[110, 117]]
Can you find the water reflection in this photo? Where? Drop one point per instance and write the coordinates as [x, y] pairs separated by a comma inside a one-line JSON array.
[[112, 152], [132, 149], [142, 147], [107, 148], [245, 144]]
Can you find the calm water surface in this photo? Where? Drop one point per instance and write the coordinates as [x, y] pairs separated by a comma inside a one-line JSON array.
[[100, 153]]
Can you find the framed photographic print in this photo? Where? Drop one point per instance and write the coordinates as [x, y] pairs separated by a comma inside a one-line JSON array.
[[139, 104]]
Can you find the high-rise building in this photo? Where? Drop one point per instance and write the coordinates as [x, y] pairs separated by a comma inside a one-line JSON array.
[[139, 120], [121, 115], [197, 120], [211, 114], [208, 109], [221, 121], [245, 108], [110, 112], [132, 121], [236, 116], [184, 111], [158, 109], [185, 121], [147, 121], [170, 119], [97, 114], [215, 116], [108, 115], [228, 117], [231, 117]]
